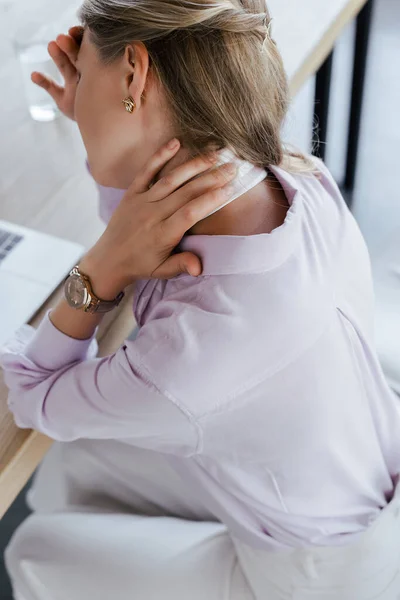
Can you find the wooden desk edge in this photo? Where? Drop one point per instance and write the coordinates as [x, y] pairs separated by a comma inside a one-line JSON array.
[[318, 55], [17, 472]]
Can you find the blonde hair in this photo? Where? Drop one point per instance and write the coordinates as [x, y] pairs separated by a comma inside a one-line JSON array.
[[221, 72]]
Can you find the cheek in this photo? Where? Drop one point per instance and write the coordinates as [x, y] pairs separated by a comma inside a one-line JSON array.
[[90, 117], [85, 112], [102, 121]]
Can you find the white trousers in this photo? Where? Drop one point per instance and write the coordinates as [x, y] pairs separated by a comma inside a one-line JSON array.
[[113, 522]]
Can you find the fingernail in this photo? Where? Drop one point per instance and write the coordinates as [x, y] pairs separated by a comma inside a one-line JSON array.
[[212, 157], [228, 189], [172, 144], [230, 168]]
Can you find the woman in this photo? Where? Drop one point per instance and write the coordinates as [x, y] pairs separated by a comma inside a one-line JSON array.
[[245, 445]]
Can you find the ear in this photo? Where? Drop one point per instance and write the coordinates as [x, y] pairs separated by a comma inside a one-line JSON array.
[[136, 69]]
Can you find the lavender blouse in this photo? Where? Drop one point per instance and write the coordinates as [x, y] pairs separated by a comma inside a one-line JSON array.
[[258, 380]]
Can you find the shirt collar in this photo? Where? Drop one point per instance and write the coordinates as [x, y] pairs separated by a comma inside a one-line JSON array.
[[237, 254]]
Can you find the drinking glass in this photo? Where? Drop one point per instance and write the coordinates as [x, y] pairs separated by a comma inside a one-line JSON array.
[[30, 43]]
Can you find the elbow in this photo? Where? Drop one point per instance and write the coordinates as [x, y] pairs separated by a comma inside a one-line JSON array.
[[20, 419], [28, 407], [28, 415], [21, 408]]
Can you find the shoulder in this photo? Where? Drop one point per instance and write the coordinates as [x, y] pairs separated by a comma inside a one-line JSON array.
[[321, 180]]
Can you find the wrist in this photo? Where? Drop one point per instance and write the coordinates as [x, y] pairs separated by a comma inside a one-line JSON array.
[[76, 324], [105, 285]]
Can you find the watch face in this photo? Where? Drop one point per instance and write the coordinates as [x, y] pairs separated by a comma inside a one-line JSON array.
[[76, 293]]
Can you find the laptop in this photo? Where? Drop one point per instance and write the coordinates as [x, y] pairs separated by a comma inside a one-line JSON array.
[[32, 265]]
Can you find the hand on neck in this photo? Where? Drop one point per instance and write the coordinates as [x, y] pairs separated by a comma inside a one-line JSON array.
[[246, 215], [206, 225], [236, 218]]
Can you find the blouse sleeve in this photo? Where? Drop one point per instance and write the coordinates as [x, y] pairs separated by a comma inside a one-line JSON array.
[[58, 387]]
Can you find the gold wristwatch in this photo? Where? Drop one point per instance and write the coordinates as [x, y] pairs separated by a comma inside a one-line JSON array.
[[79, 294]]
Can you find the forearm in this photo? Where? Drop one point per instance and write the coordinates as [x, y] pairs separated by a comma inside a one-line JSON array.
[[74, 323]]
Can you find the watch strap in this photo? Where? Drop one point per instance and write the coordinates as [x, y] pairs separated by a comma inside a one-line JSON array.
[[97, 305]]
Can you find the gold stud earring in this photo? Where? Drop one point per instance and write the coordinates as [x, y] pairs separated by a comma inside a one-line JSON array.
[[130, 104]]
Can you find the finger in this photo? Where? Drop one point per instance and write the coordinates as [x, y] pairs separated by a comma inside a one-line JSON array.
[[215, 178], [69, 46], [76, 32], [182, 262], [155, 164], [196, 210], [55, 90], [177, 177], [62, 61], [182, 175]]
